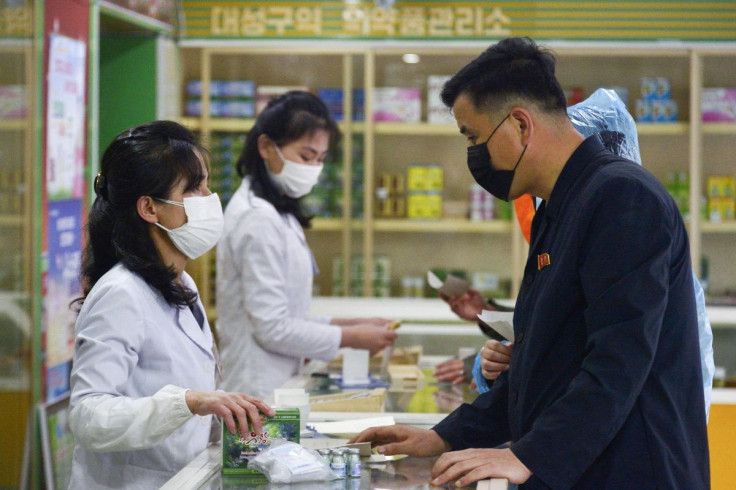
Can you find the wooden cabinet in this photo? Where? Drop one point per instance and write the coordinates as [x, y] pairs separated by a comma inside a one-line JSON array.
[[413, 246]]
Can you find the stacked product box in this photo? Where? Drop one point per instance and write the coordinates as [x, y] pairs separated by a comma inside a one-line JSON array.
[[437, 112], [481, 204], [397, 104], [719, 104], [265, 93], [225, 148], [424, 191], [721, 193], [656, 104], [11, 186], [381, 276], [488, 284], [13, 102], [390, 197], [678, 185], [412, 287], [326, 198], [237, 450], [332, 97], [228, 98]]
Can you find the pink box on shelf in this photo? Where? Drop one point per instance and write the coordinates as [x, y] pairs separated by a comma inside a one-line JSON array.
[[13, 101], [397, 104], [719, 104]]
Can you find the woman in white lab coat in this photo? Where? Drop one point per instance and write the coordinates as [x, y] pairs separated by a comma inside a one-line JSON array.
[[143, 376], [264, 265]]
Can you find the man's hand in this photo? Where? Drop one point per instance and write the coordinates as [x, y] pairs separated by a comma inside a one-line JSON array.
[[495, 357], [403, 439], [471, 465], [452, 371], [469, 305], [229, 407]]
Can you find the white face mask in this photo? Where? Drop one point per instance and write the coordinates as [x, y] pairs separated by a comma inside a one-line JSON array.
[[203, 228], [296, 179]]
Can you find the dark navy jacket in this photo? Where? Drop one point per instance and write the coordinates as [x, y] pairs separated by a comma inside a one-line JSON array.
[[604, 388]]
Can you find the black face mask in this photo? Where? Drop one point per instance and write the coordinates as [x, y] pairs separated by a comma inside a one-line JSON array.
[[497, 182]]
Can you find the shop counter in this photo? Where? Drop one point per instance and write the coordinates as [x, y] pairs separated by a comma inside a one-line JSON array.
[[407, 473]]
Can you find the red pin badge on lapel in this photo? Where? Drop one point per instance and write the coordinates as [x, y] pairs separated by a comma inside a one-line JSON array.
[[542, 261]]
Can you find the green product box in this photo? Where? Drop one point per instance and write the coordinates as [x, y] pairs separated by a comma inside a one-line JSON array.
[[237, 450]]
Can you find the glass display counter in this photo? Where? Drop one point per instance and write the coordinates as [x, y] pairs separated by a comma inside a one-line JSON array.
[[422, 406], [405, 473]]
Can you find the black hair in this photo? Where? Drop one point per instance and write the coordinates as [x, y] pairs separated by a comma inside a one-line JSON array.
[[149, 160], [285, 119], [512, 69]]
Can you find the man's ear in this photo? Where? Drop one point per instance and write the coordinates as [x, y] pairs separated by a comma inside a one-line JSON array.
[[146, 208], [524, 123]]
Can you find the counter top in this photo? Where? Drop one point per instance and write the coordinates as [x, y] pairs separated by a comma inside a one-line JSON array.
[[434, 310], [407, 473]]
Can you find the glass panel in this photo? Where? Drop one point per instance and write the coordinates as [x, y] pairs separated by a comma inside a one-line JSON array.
[[16, 164]]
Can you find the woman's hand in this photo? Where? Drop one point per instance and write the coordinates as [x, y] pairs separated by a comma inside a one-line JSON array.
[[375, 321], [230, 407], [367, 336]]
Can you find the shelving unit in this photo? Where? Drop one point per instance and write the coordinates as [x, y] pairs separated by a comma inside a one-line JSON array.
[[16, 172], [415, 246]]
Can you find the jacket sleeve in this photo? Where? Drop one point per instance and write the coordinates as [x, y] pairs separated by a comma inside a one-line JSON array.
[[482, 424], [108, 338], [259, 251], [625, 273]]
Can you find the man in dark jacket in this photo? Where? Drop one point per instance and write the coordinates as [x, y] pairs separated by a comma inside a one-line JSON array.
[[604, 388]]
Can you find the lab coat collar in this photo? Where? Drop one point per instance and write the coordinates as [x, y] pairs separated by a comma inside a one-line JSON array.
[[188, 323]]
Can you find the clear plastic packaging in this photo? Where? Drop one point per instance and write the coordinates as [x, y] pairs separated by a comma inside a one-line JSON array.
[[605, 112], [289, 462]]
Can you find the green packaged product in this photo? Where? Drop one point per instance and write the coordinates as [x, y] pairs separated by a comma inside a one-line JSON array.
[[238, 450]]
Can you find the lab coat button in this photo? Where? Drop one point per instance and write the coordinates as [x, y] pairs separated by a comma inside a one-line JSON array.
[[519, 338]]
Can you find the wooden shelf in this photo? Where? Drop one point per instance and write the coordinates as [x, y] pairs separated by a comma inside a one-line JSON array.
[[334, 224], [441, 226], [723, 227], [11, 220], [227, 125], [240, 125], [719, 128], [12, 124], [420, 129], [674, 128]]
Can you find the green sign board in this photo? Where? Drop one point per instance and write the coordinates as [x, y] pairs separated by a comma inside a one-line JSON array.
[[643, 20]]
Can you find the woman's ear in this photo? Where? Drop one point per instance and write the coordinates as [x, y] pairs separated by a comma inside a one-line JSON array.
[[267, 150], [146, 208], [265, 147]]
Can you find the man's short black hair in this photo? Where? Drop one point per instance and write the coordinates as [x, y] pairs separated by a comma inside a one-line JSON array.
[[512, 69]]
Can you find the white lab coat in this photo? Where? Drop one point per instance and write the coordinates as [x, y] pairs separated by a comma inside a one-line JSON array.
[[264, 289], [134, 358]]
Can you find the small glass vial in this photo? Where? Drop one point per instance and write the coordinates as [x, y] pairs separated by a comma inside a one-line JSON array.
[[338, 464], [325, 455], [354, 466]]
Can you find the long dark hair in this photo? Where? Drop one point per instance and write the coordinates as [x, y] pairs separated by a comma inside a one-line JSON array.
[[285, 119], [149, 160]]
